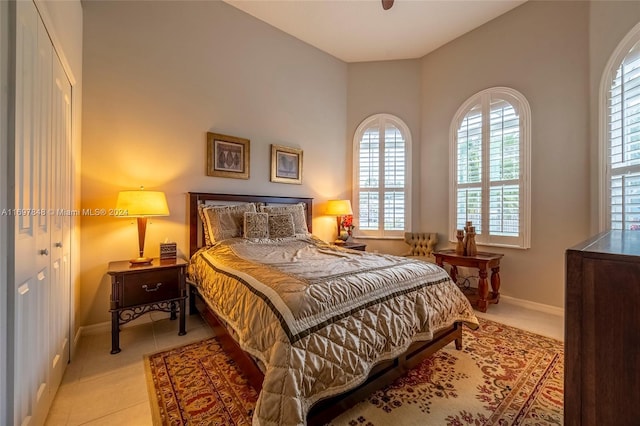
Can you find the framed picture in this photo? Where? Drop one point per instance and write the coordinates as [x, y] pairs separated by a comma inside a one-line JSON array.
[[286, 164], [227, 156]]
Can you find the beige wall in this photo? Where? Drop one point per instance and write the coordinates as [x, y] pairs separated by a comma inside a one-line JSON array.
[[158, 76], [555, 54], [541, 50], [391, 87]]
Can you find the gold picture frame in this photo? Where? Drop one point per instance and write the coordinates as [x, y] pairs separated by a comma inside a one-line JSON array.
[[286, 164], [227, 156]]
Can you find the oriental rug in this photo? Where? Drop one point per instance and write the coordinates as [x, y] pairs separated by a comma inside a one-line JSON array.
[[502, 376]]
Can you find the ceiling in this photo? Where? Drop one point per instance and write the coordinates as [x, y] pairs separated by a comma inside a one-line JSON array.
[[360, 30]]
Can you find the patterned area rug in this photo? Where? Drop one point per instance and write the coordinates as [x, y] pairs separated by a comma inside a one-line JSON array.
[[502, 376]]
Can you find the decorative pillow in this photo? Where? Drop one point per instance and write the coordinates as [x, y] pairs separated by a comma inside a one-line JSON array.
[[281, 226], [222, 222], [207, 240], [297, 211], [256, 225]]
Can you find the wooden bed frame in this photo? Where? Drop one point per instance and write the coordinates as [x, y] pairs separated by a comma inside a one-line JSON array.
[[323, 411]]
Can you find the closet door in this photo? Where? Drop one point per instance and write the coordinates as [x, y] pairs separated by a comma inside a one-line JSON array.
[[60, 179], [31, 263], [41, 263]]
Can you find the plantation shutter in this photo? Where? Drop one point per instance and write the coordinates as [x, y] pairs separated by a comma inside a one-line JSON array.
[[469, 170], [381, 174], [369, 179], [504, 169], [394, 178], [624, 144], [490, 146]]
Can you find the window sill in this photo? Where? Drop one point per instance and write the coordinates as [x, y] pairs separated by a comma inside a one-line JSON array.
[[510, 246], [370, 237]]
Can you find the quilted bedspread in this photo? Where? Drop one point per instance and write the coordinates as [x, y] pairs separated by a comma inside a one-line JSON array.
[[319, 317]]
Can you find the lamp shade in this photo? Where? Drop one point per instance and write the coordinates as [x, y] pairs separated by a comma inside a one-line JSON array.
[[142, 203], [339, 207]]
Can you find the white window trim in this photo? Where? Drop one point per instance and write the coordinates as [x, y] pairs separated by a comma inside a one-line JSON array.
[[520, 103], [604, 169], [404, 129]]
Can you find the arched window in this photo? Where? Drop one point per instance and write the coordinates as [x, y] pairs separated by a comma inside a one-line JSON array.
[[620, 137], [381, 177], [489, 168]]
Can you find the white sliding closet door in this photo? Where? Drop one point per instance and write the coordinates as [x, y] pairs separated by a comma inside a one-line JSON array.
[[31, 261], [42, 185], [59, 321], [4, 224]]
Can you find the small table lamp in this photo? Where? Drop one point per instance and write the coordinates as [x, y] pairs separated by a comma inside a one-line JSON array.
[[339, 208], [142, 204]]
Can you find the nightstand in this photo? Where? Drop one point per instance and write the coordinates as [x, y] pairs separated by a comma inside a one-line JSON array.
[[136, 290], [353, 245]]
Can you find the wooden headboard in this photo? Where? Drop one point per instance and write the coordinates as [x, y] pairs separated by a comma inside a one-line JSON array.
[[196, 198]]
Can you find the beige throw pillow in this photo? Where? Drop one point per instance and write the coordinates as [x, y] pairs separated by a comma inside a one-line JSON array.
[[281, 226], [297, 211], [222, 222], [256, 225]]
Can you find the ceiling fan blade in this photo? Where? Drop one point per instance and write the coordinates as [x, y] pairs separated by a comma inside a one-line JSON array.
[[386, 4]]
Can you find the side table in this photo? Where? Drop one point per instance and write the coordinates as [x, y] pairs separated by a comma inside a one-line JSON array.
[[136, 290], [353, 245], [482, 262]]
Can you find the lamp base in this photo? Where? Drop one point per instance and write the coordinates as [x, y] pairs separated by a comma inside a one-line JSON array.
[[139, 261]]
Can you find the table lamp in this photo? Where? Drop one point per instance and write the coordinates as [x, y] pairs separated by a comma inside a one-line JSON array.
[[142, 204], [339, 208]]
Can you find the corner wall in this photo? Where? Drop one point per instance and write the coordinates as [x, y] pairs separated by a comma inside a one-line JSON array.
[[158, 77], [542, 50], [387, 87]]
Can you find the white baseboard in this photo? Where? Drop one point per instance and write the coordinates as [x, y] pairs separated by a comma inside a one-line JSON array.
[[88, 330], [105, 327], [548, 309], [76, 341]]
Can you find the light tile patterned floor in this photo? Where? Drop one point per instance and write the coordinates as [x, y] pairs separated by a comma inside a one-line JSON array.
[[103, 389]]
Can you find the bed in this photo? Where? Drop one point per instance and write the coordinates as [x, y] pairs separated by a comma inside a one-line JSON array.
[[315, 327]]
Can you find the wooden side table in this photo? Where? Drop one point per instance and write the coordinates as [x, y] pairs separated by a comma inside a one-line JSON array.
[[136, 290], [482, 262], [352, 245]]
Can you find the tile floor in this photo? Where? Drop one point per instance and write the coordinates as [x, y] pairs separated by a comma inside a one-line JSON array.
[[103, 389]]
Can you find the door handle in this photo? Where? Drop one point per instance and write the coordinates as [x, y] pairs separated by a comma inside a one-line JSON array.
[[44, 252]]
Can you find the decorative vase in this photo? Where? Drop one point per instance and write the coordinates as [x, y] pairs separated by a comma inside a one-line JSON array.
[[465, 241], [344, 235], [472, 250], [460, 245]]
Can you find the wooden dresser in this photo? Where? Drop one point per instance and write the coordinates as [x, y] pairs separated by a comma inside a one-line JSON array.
[[602, 331]]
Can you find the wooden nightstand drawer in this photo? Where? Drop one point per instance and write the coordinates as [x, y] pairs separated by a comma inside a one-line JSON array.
[[149, 287]]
